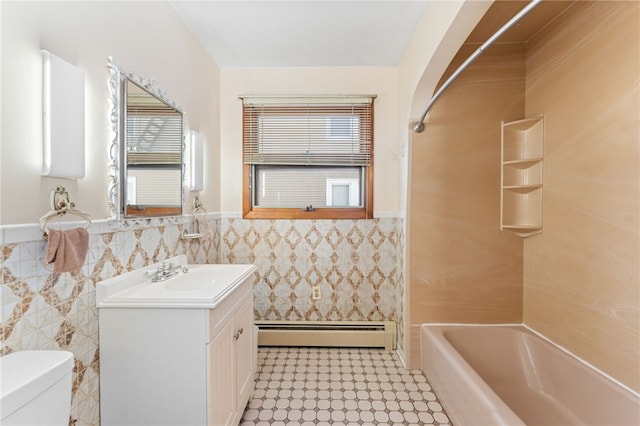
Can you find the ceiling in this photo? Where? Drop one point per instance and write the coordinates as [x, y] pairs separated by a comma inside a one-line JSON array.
[[302, 33], [501, 12], [331, 33]]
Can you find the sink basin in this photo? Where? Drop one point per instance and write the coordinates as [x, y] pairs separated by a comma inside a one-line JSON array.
[[202, 286], [194, 280]]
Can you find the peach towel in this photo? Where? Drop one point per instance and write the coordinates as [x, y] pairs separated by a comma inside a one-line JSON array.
[[67, 250]]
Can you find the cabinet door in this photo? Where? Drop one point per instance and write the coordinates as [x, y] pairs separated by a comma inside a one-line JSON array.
[[222, 377], [245, 352]]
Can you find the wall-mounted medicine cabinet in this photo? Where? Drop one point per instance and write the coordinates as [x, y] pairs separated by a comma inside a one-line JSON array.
[[521, 176]]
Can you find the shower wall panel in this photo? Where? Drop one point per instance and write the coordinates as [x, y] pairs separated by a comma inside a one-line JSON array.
[[582, 274]]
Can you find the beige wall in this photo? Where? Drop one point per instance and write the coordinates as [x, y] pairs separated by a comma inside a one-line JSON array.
[[463, 268], [45, 310], [581, 275], [86, 34], [435, 41], [380, 81], [358, 282]]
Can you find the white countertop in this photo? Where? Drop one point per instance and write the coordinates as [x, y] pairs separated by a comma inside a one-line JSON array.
[[203, 286]]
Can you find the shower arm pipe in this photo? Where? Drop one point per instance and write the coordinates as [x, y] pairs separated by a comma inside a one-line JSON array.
[[418, 126]]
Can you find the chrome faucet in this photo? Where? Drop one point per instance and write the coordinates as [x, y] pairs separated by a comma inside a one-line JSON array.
[[164, 271]]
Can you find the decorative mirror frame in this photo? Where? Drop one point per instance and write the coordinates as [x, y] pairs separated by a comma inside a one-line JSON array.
[[116, 78]]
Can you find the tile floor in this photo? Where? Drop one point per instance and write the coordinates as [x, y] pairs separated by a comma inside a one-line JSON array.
[[339, 386]]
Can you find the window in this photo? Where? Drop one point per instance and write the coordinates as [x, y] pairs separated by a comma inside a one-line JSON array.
[[308, 157]]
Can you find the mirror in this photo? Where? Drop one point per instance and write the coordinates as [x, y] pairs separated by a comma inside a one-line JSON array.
[[146, 152]]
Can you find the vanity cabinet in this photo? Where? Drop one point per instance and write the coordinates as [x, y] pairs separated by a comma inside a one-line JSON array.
[[231, 367], [521, 176], [178, 365]]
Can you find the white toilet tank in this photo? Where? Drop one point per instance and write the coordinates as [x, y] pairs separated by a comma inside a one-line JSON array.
[[35, 388]]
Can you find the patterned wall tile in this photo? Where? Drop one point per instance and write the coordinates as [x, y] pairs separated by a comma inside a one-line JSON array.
[[354, 262], [41, 309], [399, 240], [357, 264]]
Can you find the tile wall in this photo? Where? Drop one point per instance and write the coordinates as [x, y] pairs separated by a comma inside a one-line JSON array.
[[355, 263], [358, 265]]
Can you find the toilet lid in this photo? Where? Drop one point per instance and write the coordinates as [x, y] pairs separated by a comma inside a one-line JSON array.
[[26, 374]]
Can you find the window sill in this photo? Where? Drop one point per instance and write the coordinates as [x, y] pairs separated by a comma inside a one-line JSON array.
[[271, 213]]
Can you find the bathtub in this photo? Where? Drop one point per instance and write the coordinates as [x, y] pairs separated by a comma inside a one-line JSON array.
[[507, 375]]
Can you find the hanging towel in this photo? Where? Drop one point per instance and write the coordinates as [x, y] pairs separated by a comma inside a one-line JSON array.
[[201, 226], [67, 250]]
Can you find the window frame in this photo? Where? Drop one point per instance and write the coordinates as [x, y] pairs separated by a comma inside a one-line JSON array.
[[249, 211]]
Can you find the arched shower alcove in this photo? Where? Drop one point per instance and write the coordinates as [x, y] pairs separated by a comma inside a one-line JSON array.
[[575, 283], [460, 267]]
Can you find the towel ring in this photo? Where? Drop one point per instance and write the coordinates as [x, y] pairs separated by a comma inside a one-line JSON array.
[[197, 206], [53, 213], [60, 205]]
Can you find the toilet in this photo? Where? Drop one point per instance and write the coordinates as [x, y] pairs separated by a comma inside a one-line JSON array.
[[35, 388]]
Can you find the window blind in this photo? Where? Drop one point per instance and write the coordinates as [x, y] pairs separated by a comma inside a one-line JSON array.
[[154, 134], [152, 187], [316, 131]]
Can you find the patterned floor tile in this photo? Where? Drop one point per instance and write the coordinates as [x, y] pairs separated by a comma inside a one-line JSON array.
[[332, 386]]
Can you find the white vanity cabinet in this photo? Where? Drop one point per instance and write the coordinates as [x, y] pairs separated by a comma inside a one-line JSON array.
[[231, 367], [178, 364]]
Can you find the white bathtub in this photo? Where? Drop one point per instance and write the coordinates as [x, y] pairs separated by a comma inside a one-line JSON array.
[[506, 375]]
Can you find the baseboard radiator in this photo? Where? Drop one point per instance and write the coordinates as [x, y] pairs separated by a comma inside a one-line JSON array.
[[361, 334]]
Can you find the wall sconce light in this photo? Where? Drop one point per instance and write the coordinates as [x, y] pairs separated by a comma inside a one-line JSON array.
[[63, 118], [197, 162]]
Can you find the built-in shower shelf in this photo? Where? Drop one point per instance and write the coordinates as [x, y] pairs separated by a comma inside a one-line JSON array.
[[521, 176], [522, 227], [522, 164], [522, 188]]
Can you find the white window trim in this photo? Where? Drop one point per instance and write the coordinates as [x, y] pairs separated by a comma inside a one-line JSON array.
[[354, 191]]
